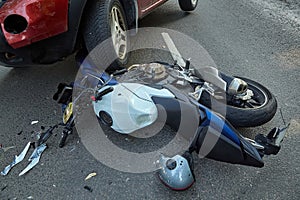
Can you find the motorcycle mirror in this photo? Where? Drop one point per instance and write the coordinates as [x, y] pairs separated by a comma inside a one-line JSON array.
[[68, 113]]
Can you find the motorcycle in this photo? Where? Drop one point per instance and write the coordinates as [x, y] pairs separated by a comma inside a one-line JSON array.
[[131, 99]]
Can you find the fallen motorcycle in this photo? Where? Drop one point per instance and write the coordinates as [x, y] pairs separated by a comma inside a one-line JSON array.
[[134, 100]]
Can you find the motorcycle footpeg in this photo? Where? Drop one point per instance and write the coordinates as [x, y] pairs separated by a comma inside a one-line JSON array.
[[272, 141]]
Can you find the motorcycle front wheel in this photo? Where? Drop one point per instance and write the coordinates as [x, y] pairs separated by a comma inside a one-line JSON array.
[[257, 110]]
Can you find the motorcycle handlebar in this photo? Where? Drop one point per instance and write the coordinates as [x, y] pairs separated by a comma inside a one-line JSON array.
[[104, 92]]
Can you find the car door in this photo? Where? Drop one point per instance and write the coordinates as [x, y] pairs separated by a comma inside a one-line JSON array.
[[144, 4]]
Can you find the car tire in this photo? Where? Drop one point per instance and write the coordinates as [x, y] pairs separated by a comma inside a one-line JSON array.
[[106, 19], [188, 5]]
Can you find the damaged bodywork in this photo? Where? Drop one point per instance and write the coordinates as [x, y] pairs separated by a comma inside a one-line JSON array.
[[24, 22], [35, 32], [17, 160]]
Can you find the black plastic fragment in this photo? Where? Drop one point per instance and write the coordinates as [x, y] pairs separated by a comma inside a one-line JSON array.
[[3, 188], [88, 188]]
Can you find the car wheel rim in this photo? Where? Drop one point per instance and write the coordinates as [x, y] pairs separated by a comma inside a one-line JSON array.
[[118, 32]]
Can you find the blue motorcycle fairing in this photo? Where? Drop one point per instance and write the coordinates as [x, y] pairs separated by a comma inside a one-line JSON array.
[[216, 121], [105, 77], [229, 147]]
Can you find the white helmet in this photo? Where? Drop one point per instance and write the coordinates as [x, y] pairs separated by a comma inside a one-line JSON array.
[[177, 172]]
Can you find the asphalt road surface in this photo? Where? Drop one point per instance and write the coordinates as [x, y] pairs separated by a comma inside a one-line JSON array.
[[242, 38]]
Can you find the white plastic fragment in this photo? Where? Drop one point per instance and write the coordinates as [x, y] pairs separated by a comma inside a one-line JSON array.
[[34, 158], [90, 176], [34, 122], [17, 160], [5, 149]]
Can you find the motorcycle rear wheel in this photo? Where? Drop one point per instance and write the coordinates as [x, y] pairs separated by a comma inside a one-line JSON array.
[[260, 109]]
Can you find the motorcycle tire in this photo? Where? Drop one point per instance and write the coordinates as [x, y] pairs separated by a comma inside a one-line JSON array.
[[245, 116]]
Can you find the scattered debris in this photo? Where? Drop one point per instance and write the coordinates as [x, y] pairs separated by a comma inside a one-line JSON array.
[[3, 188], [34, 158], [32, 145], [127, 179], [20, 132], [88, 188], [34, 122], [46, 135], [90, 176], [35, 135], [5, 149], [30, 197], [72, 149], [54, 185], [17, 160]]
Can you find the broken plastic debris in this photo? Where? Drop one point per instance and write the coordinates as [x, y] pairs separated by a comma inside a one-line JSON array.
[[36, 135], [88, 188], [17, 160], [5, 149], [3, 188], [90, 176], [34, 122], [34, 158], [72, 149], [20, 133]]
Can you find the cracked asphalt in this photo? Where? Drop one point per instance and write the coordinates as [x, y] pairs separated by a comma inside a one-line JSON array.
[[244, 38]]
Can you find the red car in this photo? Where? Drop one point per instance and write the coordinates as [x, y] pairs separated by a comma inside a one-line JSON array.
[[35, 32]]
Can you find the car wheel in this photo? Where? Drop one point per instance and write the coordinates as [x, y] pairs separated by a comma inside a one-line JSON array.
[[105, 19], [188, 5]]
